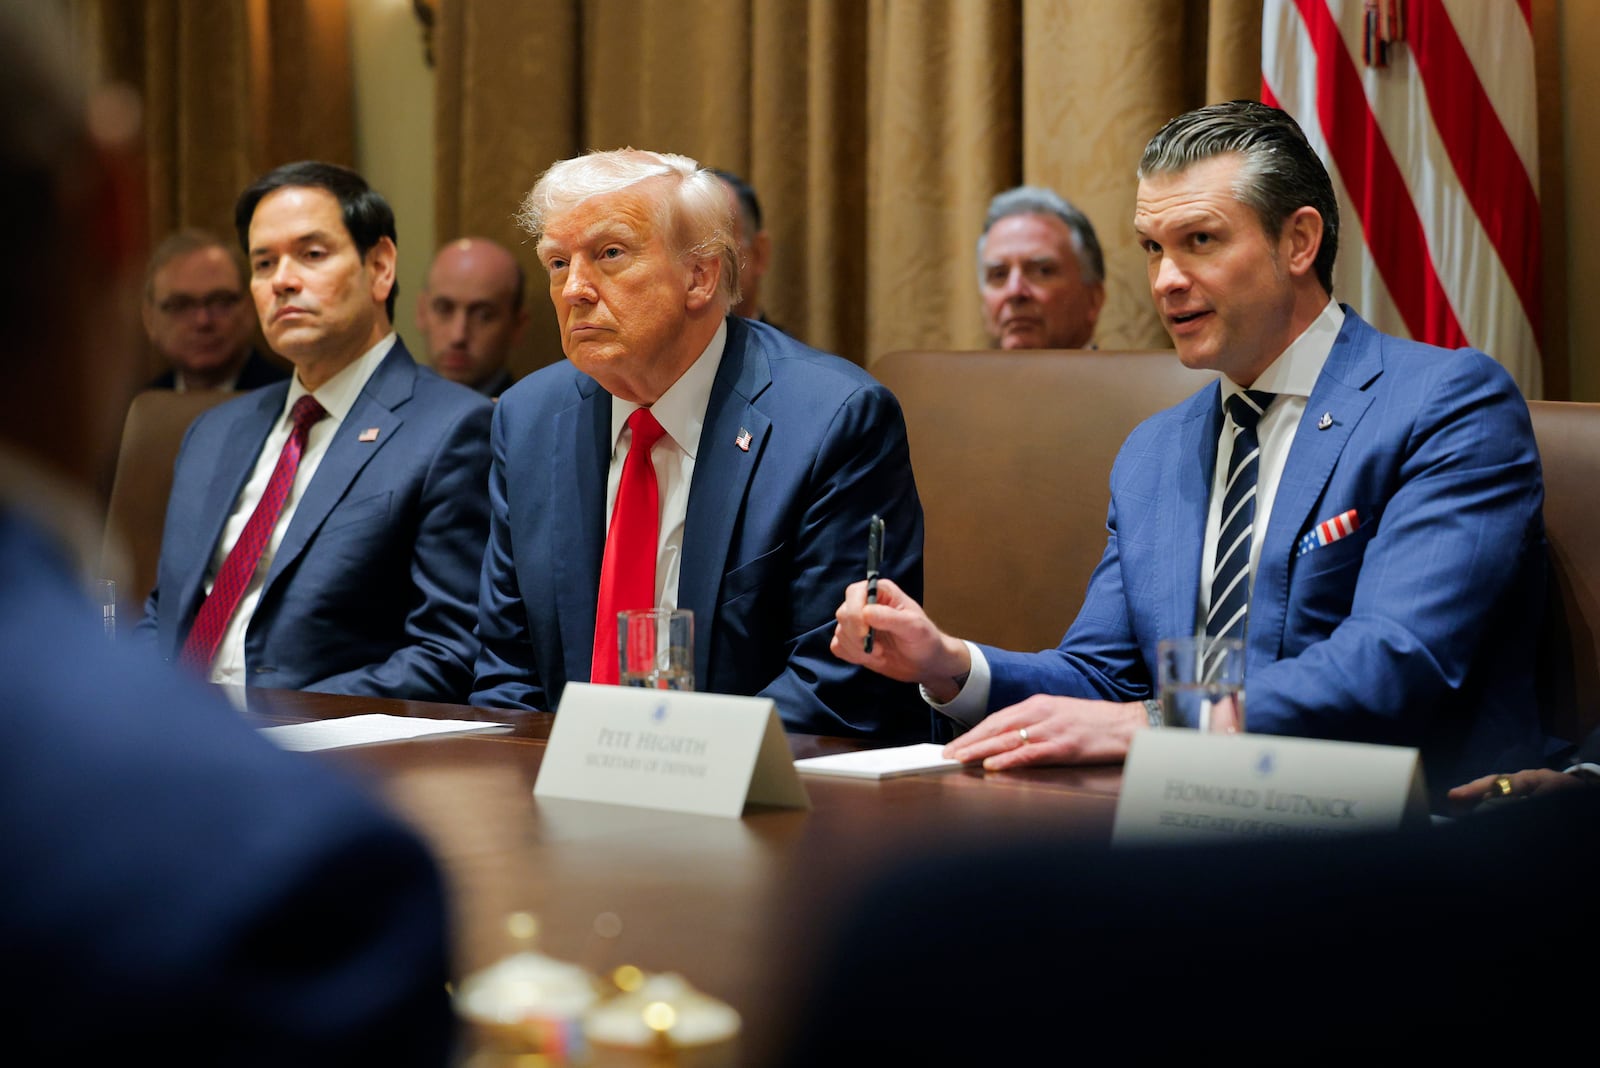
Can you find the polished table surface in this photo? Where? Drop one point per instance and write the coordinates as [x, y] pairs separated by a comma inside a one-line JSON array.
[[738, 907]]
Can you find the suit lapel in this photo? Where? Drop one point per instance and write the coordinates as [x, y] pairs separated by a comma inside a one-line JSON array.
[[389, 387], [1340, 391], [722, 474], [1186, 482], [241, 445], [579, 520]]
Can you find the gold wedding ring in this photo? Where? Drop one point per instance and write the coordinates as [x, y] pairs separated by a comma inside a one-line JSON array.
[[1502, 783], [1022, 732]]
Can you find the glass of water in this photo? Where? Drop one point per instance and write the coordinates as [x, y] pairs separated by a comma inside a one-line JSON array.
[[105, 592], [1200, 683], [655, 647]]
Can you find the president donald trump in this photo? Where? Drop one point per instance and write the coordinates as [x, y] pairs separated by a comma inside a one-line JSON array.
[[683, 458]]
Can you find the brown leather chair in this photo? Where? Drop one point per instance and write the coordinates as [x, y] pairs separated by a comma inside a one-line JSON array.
[[1569, 650], [157, 420], [1012, 454]]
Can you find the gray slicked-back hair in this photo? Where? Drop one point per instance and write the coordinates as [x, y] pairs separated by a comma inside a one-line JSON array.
[[1281, 172], [1037, 200], [695, 215]]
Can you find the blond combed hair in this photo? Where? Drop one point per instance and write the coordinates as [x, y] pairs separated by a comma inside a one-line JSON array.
[[695, 212]]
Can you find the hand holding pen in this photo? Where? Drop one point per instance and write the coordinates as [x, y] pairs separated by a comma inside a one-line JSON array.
[[874, 562]]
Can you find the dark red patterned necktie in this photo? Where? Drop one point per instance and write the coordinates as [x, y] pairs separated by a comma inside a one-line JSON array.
[[628, 575], [242, 561]]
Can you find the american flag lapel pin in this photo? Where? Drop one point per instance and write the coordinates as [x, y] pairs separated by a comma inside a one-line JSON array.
[[743, 440], [369, 434]]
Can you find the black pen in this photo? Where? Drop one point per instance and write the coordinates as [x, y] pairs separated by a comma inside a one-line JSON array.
[[874, 561]]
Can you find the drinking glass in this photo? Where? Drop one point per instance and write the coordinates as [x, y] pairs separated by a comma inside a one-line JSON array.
[[1200, 683], [655, 647]]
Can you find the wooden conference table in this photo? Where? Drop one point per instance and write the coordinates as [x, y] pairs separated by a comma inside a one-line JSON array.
[[738, 907]]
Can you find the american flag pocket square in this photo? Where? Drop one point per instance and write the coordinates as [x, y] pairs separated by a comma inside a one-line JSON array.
[[1329, 530]]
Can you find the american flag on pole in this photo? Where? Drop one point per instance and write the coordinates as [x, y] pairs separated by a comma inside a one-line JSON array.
[[1424, 112]]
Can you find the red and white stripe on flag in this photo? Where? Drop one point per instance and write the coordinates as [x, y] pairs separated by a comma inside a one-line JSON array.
[[1435, 158]]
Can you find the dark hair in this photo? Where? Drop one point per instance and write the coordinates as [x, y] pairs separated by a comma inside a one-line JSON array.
[[367, 216], [1281, 172], [749, 206]]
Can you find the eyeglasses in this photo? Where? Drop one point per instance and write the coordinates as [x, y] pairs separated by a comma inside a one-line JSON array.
[[180, 304]]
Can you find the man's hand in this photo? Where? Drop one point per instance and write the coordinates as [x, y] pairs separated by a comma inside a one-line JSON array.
[[1535, 782], [905, 645], [1060, 730]]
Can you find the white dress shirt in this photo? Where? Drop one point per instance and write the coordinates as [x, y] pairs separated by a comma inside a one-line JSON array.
[[1291, 377], [337, 396], [681, 411]]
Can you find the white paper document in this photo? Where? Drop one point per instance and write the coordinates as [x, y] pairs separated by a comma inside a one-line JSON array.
[[367, 730], [880, 763]]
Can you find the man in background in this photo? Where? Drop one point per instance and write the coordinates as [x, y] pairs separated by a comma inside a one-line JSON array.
[[755, 246], [326, 533], [471, 313], [1040, 272], [198, 317], [173, 882]]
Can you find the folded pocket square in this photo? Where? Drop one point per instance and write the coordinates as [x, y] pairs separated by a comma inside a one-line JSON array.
[[1329, 530]]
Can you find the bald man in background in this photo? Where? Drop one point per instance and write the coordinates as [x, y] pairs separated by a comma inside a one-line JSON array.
[[471, 313]]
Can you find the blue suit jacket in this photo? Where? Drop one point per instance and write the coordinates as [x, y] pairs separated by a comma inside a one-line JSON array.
[[1418, 629], [372, 589], [175, 883], [772, 537]]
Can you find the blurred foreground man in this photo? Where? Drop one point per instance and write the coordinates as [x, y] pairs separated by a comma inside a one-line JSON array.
[[472, 313], [173, 883], [326, 533], [198, 317], [1040, 272], [684, 458], [1367, 516]]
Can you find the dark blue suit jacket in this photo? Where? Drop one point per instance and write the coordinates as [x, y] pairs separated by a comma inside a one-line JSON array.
[[372, 589], [174, 883], [772, 537], [1418, 629], [257, 371]]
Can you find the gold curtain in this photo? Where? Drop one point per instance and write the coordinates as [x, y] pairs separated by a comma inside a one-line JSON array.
[[875, 133], [231, 88]]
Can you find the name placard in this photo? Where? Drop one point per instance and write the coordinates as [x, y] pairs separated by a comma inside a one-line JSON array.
[[1189, 786], [683, 752]]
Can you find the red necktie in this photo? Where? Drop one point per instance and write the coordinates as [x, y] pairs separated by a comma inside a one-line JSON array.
[[234, 576], [628, 575]]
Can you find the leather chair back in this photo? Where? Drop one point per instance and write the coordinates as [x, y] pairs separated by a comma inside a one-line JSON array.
[[1569, 649], [137, 512], [1013, 453]]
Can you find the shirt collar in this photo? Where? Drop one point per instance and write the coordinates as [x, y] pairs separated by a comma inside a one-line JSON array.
[[1296, 369], [681, 410], [338, 394]]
